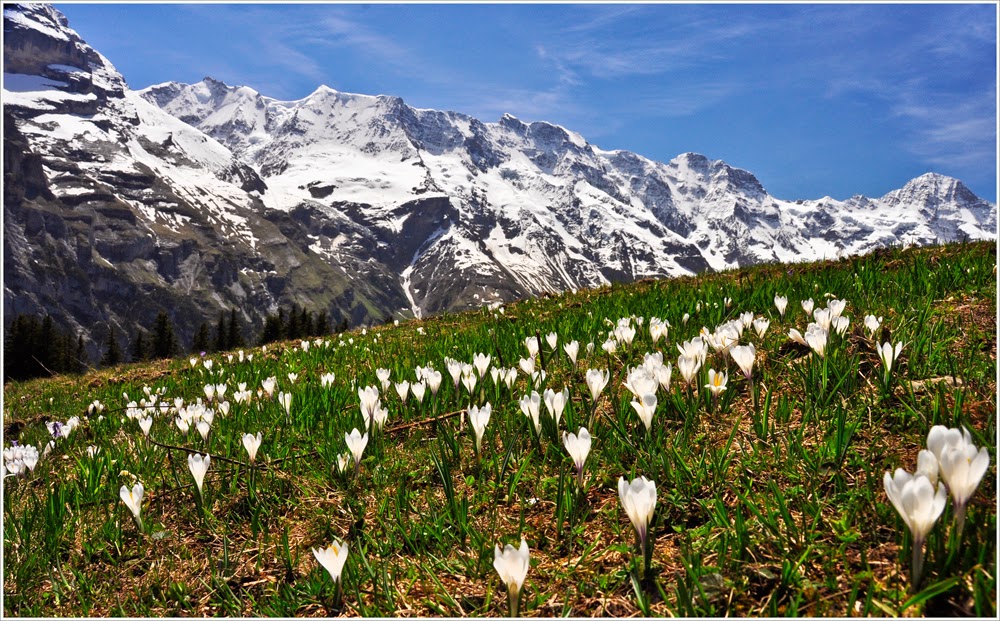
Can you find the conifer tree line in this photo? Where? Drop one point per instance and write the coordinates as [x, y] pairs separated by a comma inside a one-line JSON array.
[[37, 347], [296, 323]]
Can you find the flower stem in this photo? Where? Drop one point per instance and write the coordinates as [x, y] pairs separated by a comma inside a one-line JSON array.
[[647, 553], [959, 523], [918, 563], [514, 598]]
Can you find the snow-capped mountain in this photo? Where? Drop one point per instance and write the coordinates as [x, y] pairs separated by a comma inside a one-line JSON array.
[[536, 203], [201, 197]]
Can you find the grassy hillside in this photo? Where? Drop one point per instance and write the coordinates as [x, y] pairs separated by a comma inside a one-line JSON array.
[[769, 498]]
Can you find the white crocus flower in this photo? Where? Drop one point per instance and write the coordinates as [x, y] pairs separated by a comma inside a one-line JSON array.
[[433, 380], [872, 323], [572, 349], [203, 427], [822, 318], [760, 326], [807, 307], [454, 369], [527, 365], [578, 447], [379, 416], [797, 337], [531, 343], [285, 399], [716, 382], [469, 380], [888, 355], [816, 337], [269, 385], [403, 390], [744, 356], [198, 464], [133, 500], [645, 407], [418, 389], [510, 378], [252, 443], [530, 406], [479, 418], [916, 500], [597, 380], [688, 367], [343, 461], [512, 564], [332, 559], [555, 402], [927, 465], [383, 378], [780, 302], [840, 324], [356, 443], [962, 466], [482, 363], [638, 498], [836, 307], [640, 381], [552, 338]]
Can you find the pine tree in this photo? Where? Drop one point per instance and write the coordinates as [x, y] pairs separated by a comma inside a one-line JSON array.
[[294, 328], [80, 360], [272, 330], [19, 340], [201, 339], [322, 325], [164, 341], [221, 342], [235, 333], [306, 323], [46, 346], [112, 352], [140, 346]]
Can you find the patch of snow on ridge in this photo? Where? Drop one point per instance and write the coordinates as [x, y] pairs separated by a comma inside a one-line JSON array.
[[404, 278]]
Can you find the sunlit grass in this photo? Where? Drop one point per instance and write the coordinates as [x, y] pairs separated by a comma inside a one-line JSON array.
[[769, 494]]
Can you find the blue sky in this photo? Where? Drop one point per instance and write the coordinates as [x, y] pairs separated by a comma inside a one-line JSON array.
[[815, 100]]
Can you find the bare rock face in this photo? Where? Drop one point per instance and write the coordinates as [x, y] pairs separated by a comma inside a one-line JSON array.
[[197, 198]]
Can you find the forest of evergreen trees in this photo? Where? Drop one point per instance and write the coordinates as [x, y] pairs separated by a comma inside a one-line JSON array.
[[37, 347]]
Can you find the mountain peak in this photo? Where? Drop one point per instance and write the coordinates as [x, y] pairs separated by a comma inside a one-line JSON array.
[[41, 17], [932, 177], [39, 42]]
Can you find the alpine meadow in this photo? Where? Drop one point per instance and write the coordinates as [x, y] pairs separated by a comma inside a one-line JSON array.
[[275, 349], [737, 443]]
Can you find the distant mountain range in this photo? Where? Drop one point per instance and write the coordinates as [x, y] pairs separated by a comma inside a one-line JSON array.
[[194, 198]]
